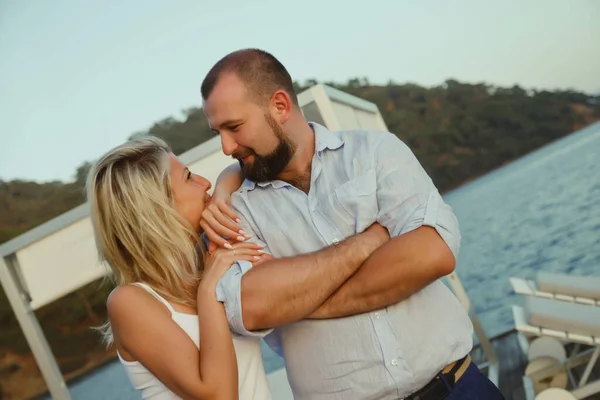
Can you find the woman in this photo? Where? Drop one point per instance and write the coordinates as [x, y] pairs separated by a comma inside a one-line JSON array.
[[146, 208]]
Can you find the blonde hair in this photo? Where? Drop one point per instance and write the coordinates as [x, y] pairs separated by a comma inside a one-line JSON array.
[[138, 231]]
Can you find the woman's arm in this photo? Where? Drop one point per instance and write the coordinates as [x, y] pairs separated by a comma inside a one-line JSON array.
[[219, 221], [218, 362], [143, 328]]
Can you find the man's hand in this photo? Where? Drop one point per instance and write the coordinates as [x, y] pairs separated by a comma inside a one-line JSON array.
[[398, 269]]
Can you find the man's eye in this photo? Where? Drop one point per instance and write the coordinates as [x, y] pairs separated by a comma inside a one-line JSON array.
[[234, 127]]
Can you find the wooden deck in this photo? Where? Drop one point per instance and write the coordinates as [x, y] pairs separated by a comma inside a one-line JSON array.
[[512, 363]]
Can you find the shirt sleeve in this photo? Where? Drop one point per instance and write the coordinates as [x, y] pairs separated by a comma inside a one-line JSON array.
[[407, 197], [229, 288], [229, 292]]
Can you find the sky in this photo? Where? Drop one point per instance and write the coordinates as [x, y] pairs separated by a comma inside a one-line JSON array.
[[79, 77]]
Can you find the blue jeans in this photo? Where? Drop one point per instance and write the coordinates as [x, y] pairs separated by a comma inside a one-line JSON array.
[[473, 385]]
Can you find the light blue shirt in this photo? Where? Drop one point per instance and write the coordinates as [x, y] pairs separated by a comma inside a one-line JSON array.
[[358, 177]]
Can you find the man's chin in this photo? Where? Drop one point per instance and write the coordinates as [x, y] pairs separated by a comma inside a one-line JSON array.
[[252, 175]]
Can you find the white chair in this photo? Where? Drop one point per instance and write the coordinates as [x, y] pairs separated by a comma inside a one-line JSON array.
[[559, 379], [546, 347], [569, 323], [546, 352], [555, 394], [570, 288]]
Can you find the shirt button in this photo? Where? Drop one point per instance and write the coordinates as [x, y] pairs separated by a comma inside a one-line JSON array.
[[394, 362], [335, 241], [376, 315]]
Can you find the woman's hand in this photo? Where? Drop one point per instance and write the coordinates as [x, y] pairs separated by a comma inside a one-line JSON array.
[[219, 222], [264, 258], [219, 260]]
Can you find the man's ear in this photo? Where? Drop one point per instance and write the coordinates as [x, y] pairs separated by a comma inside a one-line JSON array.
[[282, 105]]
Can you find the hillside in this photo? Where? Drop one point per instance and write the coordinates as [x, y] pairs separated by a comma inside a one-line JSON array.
[[459, 131]]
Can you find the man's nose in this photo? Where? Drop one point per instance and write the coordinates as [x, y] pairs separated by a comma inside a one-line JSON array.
[[228, 144]]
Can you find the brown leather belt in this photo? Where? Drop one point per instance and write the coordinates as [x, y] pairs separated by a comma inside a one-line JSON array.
[[440, 386]]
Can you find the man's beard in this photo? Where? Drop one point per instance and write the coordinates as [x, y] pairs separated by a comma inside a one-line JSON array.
[[266, 168]]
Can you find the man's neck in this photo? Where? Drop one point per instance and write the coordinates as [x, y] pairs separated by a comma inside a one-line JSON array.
[[298, 171]]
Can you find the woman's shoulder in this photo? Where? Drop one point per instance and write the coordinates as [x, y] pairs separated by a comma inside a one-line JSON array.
[[127, 299], [124, 294]]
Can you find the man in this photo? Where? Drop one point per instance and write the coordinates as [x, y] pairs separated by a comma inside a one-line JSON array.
[[392, 328]]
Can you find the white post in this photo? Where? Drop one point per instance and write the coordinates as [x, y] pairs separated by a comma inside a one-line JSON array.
[[325, 108], [484, 342], [381, 122], [33, 332]]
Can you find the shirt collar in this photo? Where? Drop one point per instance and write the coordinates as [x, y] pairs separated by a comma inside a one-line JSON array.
[[324, 139]]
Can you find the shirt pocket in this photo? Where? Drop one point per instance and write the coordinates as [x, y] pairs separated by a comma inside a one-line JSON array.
[[356, 201]]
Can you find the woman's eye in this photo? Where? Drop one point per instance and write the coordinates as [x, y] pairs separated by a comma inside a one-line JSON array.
[[189, 175]]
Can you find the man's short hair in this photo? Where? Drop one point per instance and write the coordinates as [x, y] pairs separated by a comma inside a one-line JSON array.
[[259, 70]]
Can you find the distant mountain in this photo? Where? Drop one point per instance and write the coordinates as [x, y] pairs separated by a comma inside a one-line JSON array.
[[458, 131]]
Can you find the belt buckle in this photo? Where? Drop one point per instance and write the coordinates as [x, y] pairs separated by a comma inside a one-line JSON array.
[[448, 380]]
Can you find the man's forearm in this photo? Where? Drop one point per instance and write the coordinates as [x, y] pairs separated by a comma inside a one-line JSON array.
[[289, 289], [395, 271]]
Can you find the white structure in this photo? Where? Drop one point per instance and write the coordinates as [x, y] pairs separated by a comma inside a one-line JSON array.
[[60, 256]]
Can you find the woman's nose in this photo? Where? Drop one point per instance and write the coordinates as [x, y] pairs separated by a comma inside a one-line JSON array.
[[206, 183], [202, 181]]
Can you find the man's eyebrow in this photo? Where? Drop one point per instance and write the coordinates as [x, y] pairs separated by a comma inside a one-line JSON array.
[[228, 122]]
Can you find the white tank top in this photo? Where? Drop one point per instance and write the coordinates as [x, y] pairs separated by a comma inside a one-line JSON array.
[[252, 379]]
